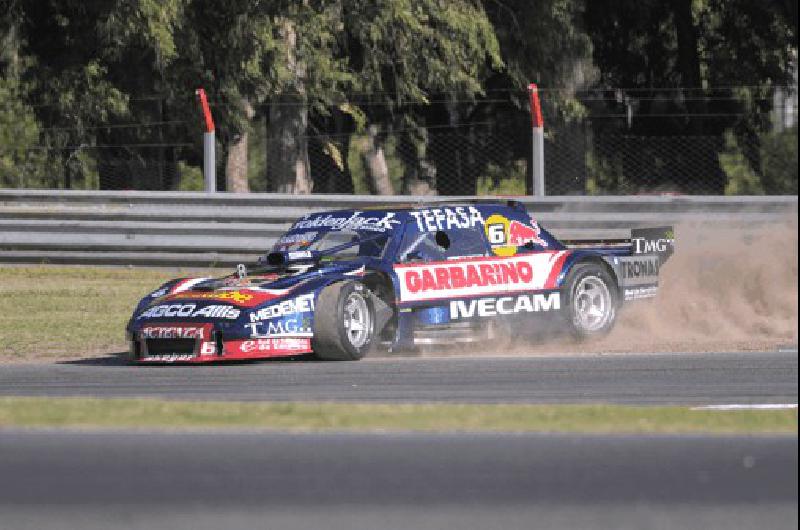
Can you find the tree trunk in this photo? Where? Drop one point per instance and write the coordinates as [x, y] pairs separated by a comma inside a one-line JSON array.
[[236, 165], [689, 60], [287, 156], [236, 160], [375, 162], [419, 174], [288, 169]]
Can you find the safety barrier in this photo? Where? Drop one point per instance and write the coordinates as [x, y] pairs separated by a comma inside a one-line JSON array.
[[198, 229]]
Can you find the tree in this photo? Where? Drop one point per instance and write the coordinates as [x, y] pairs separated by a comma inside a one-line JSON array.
[[543, 42], [683, 57], [275, 58], [405, 55], [425, 82], [86, 58], [20, 161], [302, 59]]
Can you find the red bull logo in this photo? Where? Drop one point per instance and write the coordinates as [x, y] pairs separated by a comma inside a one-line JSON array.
[[505, 235], [520, 234]]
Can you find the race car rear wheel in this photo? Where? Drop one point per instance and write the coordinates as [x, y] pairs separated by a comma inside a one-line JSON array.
[[591, 300], [344, 322]]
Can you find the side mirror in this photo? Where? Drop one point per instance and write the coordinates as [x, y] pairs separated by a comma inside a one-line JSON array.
[[414, 255], [276, 258]]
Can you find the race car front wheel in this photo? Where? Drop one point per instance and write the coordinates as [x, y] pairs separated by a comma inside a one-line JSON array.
[[344, 322], [591, 300]]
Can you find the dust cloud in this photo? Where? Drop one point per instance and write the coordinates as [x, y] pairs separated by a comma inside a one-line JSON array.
[[725, 289]]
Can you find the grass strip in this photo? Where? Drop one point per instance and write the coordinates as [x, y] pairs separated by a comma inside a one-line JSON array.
[[52, 311], [323, 416]]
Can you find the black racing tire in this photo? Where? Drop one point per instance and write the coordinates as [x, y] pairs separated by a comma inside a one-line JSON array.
[[590, 300], [338, 307]]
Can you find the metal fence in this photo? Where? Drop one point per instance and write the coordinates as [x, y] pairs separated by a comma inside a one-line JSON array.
[[611, 142]]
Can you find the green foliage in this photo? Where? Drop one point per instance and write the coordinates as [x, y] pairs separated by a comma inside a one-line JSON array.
[[779, 162], [409, 49], [545, 42], [605, 175], [74, 73], [503, 180], [776, 174], [404, 53], [747, 43], [22, 163], [696, 68], [191, 178], [742, 180], [142, 23], [84, 97]]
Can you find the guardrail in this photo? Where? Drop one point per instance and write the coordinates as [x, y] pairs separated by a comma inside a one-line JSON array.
[[198, 229]]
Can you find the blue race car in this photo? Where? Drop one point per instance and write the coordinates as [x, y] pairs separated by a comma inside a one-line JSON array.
[[340, 283]]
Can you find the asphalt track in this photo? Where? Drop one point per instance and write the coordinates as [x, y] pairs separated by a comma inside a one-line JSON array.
[[648, 379], [115, 480], [203, 480]]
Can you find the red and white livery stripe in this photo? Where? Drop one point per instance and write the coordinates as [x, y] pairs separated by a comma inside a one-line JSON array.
[[185, 285], [479, 276]]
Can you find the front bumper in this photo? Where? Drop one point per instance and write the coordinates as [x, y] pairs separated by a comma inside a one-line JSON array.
[[198, 343]]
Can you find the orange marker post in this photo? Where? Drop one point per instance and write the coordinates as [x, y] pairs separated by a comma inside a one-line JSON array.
[[209, 144], [537, 142]]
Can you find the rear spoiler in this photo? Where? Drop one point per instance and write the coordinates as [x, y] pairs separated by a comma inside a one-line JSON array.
[[659, 241], [638, 271]]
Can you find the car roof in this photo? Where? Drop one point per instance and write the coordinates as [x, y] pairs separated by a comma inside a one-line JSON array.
[[388, 217], [442, 203]]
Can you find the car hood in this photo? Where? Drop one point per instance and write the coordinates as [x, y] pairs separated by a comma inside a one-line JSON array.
[[257, 289]]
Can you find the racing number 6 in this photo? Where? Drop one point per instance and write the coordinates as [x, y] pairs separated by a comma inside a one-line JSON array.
[[497, 233]]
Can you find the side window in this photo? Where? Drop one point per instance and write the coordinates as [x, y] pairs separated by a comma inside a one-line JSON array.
[[467, 242], [372, 246], [423, 246]]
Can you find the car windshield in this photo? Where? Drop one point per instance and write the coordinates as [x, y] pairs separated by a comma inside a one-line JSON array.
[[335, 244]]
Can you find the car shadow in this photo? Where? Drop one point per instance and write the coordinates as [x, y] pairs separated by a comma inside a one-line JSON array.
[[119, 359], [111, 359]]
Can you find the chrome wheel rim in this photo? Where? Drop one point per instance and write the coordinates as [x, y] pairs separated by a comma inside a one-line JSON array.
[[357, 322], [593, 304]]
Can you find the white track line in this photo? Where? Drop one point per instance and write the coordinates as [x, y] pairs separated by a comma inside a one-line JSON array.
[[754, 406]]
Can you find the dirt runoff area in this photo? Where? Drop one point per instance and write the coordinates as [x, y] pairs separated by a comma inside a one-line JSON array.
[[724, 289]]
